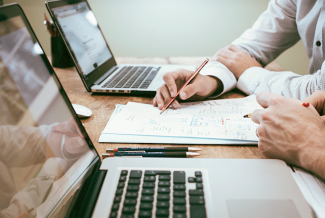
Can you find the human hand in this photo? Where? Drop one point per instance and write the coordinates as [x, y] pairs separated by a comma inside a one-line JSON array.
[[317, 99], [290, 132], [68, 146], [235, 59], [200, 88]]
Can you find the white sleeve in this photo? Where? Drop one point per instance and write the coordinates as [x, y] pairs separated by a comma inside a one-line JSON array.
[[217, 69], [286, 83]]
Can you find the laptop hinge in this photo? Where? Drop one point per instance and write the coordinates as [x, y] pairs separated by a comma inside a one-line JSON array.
[[107, 74], [86, 198]]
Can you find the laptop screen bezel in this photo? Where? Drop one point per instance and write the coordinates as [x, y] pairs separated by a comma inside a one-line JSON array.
[[94, 75]]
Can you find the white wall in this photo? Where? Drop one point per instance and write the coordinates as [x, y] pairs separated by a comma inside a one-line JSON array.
[[152, 28]]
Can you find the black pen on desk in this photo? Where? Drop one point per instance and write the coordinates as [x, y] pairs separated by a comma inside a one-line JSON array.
[[185, 84], [153, 149], [151, 154]]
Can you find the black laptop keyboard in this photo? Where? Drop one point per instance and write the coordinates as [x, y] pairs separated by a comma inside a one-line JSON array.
[[132, 77], [158, 194]]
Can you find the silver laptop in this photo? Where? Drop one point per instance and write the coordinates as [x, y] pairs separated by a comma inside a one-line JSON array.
[[93, 58], [50, 168]]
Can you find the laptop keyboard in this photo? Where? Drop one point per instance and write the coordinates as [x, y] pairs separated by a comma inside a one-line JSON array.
[[132, 77], [158, 194]]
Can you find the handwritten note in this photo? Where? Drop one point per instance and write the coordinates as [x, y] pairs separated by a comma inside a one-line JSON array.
[[205, 120]]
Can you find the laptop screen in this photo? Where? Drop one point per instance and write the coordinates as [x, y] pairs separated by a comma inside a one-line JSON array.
[[83, 35], [44, 152]]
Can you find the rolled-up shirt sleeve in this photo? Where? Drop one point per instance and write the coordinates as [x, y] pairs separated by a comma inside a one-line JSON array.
[[286, 83]]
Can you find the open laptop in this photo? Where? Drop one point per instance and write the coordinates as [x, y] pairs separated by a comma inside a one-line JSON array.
[[50, 168], [93, 58]]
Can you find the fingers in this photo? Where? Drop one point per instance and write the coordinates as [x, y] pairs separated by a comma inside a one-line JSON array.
[[317, 99], [256, 116], [163, 97], [266, 99]]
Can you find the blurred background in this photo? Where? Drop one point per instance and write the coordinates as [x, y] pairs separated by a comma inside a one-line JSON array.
[[170, 28]]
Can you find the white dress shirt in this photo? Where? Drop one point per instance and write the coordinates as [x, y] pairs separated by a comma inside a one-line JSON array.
[[281, 26]]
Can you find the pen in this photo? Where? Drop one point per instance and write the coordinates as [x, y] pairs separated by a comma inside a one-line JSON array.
[[305, 104], [23, 215], [151, 154], [67, 133], [247, 115], [153, 149], [185, 84]]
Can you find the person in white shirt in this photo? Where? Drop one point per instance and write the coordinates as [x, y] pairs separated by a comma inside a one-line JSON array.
[[292, 132], [241, 64]]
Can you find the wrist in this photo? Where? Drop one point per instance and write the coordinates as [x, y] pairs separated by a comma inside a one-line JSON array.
[[217, 86]]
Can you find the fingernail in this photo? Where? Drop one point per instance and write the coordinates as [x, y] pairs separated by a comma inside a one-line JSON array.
[[183, 95], [175, 104], [159, 105], [81, 142]]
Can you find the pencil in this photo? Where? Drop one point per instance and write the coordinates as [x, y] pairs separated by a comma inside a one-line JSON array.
[[185, 84], [67, 133], [247, 116]]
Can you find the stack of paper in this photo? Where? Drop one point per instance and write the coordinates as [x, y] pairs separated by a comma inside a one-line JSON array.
[[205, 122]]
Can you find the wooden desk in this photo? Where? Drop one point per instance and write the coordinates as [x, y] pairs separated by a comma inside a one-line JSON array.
[[103, 106]]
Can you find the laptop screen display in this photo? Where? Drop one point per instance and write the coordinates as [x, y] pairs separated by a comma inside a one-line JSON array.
[[85, 39], [43, 152]]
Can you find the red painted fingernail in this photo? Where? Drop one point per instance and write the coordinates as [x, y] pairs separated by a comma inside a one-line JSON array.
[[305, 104]]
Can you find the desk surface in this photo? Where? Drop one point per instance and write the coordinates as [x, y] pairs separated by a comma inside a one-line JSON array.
[[103, 106]]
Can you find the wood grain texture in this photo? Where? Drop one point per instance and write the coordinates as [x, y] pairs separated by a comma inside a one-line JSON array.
[[103, 106]]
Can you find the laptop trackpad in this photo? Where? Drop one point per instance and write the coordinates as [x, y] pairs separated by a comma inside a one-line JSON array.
[[257, 208]]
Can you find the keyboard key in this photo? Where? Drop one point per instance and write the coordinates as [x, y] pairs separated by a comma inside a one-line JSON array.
[[164, 183], [154, 173], [164, 177], [163, 197], [196, 192], [197, 211], [150, 178], [130, 201], [199, 180], [179, 194], [179, 201], [122, 178], [113, 214], [133, 188], [179, 208], [196, 200], [199, 186], [146, 206], [179, 215], [124, 172], [162, 212], [149, 185], [131, 195], [117, 199], [136, 174], [198, 174], [130, 209], [127, 216], [162, 204], [148, 191], [179, 177], [163, 190], [119, 192], [115, 207], [145, 213], [179, 187], [121, 185], [191, 179], [146, 198], [134, 181]]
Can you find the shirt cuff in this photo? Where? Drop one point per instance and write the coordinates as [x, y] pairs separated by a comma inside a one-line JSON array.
[[251, 78], [217, 69]]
